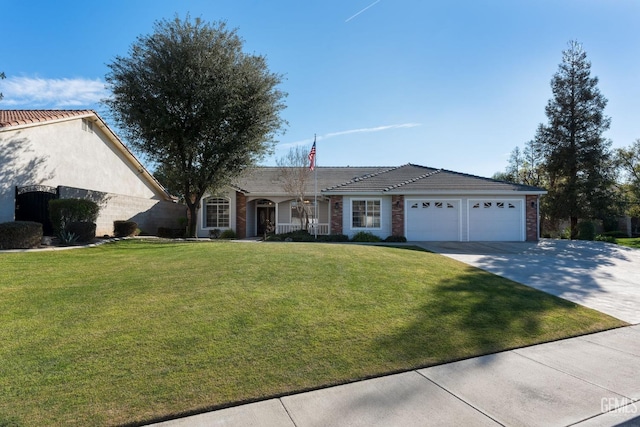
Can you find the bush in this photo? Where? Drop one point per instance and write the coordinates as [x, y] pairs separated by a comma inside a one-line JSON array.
[[603, 238], [334, 238], [20, 235], [615, 234], [396, 239], [171, 233], [215, 233], [228, 234], [85, 231], [586, 230], [65, 211], [365, 236], [124, 228]]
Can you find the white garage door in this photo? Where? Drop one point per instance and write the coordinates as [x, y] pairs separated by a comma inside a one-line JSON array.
[[496, 220], [433, 220]]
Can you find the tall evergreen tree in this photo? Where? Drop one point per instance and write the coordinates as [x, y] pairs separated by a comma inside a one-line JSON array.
[[577, 155]]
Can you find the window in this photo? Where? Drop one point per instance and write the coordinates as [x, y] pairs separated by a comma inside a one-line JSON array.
[[216, 212], [365, 214], [299, 210]]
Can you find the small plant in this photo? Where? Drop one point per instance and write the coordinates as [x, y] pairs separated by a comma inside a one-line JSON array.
[[365, 237], [395, 239], [215, 233], [228, 234], [124, 228], [85, 231], [604, 238], [67, 237]]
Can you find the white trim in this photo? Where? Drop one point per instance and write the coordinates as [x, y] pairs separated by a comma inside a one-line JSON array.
[[203, 212], [365, 199]]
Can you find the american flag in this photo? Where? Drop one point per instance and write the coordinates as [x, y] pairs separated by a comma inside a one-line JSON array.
[[312, 156]]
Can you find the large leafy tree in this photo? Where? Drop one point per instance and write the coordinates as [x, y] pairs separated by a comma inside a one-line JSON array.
[[628, 160], [577, 157], [191, 101]]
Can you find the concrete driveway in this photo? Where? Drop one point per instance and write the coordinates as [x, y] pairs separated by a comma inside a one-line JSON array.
[[598, 275]]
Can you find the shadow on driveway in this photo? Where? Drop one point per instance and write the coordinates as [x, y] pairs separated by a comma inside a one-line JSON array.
[[598, 275]]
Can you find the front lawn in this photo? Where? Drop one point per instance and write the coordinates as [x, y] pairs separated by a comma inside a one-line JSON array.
[[630, 242], [136, 331]]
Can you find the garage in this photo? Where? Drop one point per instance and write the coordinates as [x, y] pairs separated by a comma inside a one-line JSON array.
[[433, 220], [496, 220]]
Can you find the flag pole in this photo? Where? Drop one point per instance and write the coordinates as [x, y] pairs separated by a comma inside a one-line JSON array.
[[315, 193]]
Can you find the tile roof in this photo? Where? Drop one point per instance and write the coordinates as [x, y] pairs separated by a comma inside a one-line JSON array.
[[10, 118], [403, 179]]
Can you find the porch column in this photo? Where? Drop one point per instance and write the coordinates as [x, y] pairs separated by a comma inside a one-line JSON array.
[[397, 215], [241, 215], [336, 207]]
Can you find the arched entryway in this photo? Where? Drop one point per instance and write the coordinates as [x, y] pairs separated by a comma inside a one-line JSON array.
[[32, 204]]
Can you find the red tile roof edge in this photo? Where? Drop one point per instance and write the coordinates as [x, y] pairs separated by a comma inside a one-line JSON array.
[[10, 118]]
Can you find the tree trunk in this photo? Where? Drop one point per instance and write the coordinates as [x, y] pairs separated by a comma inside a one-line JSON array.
[[574, 227], [193, 219]]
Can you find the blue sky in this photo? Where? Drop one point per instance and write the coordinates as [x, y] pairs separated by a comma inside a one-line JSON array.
[[446, 84]]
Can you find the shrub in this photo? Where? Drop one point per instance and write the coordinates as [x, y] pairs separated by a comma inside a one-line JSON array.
[[171, 233], [124, 228], [215, 233], [334, 238], [586, 230], [395, 239], [365, 236], [616, 234], [604, 238], [20, 235], [65, 211], [228, 234], [85, 231]]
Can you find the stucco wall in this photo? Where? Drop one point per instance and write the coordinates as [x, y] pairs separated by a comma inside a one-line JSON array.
[[76, 154]]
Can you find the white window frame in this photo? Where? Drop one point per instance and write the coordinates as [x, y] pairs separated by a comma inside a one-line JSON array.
[[206, 206], [367, 200]]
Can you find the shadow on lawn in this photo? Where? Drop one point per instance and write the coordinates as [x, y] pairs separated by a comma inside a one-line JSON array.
[[476, 313]]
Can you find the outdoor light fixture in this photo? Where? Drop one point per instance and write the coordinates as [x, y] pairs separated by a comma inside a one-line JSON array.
[[337, 205]]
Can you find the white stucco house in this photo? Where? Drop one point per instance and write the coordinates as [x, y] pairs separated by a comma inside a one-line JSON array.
[[417, 202], [47, 154]]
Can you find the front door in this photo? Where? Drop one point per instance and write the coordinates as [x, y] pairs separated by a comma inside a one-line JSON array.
[[266, 220]]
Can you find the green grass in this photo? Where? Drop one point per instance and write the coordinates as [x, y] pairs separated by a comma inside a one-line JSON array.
[[133, 331], [630, 242]]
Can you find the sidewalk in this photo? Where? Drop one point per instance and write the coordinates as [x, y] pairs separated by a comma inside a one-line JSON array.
[[593, 380]]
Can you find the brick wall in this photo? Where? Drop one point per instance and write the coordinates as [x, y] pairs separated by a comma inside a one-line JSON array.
[[397, 215], [149, 214], [241, 215], [531, 206], [336, 214]]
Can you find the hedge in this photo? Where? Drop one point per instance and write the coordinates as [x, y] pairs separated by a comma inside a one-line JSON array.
[[124, 228], [65, 211], [20, 235]]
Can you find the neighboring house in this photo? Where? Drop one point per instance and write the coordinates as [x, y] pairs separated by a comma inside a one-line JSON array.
[[48, 154], [417, 202]]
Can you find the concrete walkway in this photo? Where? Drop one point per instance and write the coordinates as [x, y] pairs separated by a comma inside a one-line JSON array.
[[598, 275], [593, 380]]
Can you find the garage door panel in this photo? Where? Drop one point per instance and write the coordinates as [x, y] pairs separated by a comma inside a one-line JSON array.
[[433, 220], [495, 220]]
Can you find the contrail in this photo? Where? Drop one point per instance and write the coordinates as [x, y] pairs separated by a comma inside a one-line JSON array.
[[363, 10]]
